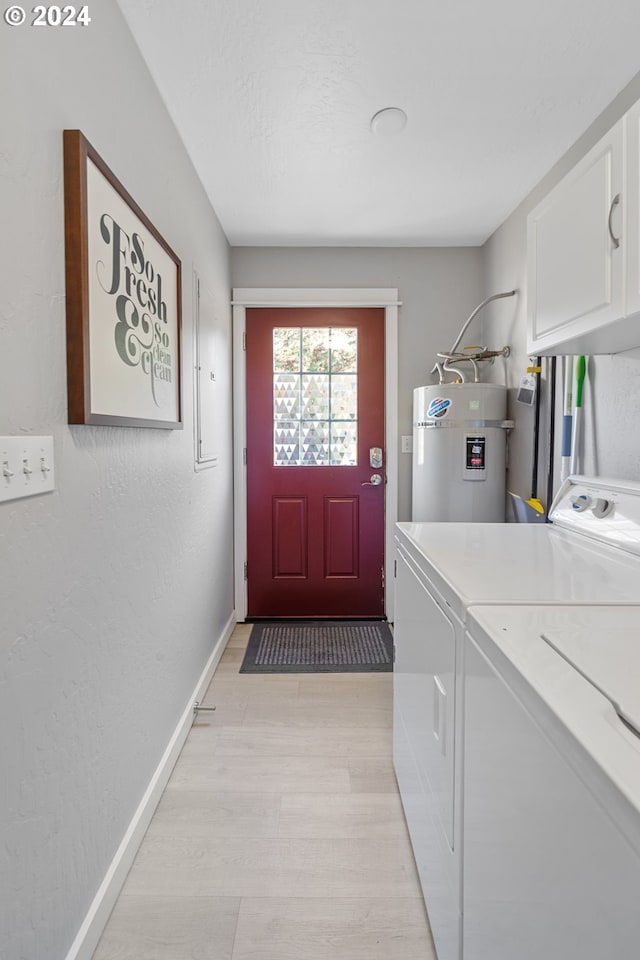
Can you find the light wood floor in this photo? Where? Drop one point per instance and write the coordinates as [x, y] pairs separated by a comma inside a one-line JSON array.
[[280, 835]]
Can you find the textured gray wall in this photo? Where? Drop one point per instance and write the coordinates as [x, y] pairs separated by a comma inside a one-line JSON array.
[[114, 588], [438, 287]]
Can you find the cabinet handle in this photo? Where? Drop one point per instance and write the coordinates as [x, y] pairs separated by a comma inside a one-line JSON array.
[[614, 203]]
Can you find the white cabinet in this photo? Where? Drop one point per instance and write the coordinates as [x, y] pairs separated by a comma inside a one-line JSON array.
[[575, 251], [632, 227], [426, 637]]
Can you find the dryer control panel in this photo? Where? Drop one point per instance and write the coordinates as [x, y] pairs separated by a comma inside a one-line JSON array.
[[604, 510]]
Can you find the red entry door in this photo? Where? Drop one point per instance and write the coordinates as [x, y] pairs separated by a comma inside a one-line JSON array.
[[315, 426]]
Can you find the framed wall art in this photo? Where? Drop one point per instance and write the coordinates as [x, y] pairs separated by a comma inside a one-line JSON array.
[[123, 284]]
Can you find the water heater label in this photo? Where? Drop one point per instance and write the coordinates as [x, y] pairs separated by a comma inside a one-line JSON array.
[[476, 453], [438, 408]]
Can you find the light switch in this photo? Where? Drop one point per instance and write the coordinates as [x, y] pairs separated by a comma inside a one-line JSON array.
[[407, 444], [26, 467]]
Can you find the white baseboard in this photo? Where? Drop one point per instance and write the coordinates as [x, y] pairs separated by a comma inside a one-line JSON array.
[[86, 941]]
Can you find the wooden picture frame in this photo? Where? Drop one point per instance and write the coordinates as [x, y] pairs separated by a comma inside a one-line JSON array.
[[124, 296]]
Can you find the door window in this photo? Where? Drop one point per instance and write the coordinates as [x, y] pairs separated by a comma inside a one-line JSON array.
[[315, 396]]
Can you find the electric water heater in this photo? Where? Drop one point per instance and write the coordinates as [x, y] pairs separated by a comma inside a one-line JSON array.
[[459, 452]]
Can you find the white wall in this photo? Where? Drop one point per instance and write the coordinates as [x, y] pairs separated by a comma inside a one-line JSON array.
[[438, 287], [115, 588], [612, 390]]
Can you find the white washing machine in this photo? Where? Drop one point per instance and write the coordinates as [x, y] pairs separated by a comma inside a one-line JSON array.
[[589, 554], [552, 783]]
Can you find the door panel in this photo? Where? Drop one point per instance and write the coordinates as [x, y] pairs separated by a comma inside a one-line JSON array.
[[315, 408], [290, 547], [341, 540]]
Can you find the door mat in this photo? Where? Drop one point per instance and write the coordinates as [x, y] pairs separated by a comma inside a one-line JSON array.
[[319, 646]]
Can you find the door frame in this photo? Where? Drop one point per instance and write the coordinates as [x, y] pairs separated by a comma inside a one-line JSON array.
[[243, 297]]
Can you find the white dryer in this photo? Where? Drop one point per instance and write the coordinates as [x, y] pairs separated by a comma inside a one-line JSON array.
[[552, 783], [589, 554]]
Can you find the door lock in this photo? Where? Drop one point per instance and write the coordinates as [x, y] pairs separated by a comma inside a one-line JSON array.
[[375, 457]]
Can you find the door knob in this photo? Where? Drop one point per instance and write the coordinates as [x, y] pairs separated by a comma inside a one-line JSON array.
[[375, 481]]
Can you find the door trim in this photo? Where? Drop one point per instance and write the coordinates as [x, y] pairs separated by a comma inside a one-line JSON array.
[[244, 297]]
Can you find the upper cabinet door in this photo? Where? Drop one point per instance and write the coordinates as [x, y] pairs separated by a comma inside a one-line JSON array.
[[575, 247], [632, 224]]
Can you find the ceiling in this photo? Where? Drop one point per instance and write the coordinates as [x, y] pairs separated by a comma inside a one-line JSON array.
[[273, 100]]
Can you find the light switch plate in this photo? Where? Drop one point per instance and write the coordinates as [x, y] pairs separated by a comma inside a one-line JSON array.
[[407, 444], [26, 467]]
